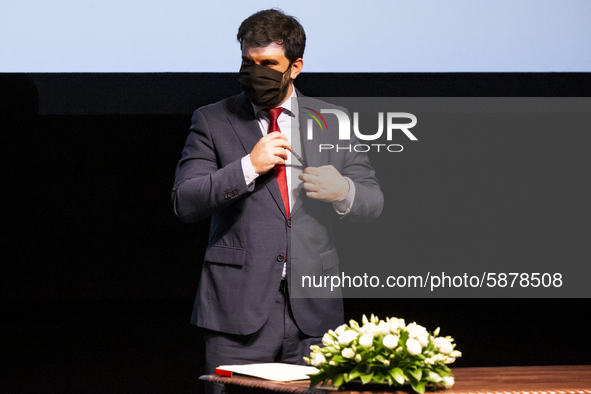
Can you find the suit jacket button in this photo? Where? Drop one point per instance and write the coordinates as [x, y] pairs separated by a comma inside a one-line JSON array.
[[288, 222], [281, 258], [227, 196], [235, 192]]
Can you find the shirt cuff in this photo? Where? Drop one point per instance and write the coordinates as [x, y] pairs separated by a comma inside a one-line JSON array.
[[342, 207], [248, 171]]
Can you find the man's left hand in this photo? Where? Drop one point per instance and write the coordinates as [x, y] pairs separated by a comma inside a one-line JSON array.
[[324, 183]]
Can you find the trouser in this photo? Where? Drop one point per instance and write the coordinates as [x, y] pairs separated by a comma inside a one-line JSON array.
[[278, 340]]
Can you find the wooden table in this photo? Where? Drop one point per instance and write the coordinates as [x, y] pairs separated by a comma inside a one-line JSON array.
[[498, 380]]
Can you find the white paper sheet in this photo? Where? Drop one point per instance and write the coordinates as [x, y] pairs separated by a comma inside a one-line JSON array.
[[273, 371]]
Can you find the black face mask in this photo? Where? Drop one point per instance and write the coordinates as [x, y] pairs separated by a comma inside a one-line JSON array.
[[262, 84]]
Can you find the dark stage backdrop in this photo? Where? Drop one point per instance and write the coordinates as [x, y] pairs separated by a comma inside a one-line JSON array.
[[98, 275]]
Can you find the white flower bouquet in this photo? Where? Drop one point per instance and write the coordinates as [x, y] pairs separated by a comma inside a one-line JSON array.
[[384, 352]]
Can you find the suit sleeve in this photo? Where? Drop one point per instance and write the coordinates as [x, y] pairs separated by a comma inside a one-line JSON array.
[[202, 185], [369, 199]]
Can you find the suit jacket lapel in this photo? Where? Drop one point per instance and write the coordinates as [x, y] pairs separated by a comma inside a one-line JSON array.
[[244, 122], [248, 130]]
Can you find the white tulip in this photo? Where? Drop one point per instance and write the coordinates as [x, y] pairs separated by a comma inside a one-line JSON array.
[[423, 340], [390, 341], [327, 340], [386, 363], [439, 357], [348, 336], [358, 358], [448, 382], [414, 330], [443, 345], [348, 353], [384, 328], [394, 325], [340, 329], [370, 329], [413, 346], [401, 323], [450, 360], [366, 340], [435, 377], [455, 353], [318, 359]]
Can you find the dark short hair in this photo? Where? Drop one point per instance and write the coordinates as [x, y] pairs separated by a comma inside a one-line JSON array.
[[267, 26]]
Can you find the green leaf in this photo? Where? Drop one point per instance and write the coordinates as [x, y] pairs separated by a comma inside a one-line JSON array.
[[398, 375], [353, 374], [339, 359], [417, 374], [317, 378], [338, 380], [378, 377], [366, 378], [419, 387], [390, 380], [403, 337]]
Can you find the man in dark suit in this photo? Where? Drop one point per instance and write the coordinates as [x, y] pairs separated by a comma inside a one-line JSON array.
[[271, 216]]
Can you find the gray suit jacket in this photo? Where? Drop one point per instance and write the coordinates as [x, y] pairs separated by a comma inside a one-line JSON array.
[[249, 233]]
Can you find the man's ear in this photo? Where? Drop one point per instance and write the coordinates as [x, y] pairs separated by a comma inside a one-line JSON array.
[[296, 67]]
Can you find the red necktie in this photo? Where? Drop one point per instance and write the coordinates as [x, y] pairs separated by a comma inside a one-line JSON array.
[[280, 169]]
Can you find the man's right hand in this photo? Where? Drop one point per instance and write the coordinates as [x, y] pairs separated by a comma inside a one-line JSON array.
[[269, 151]]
